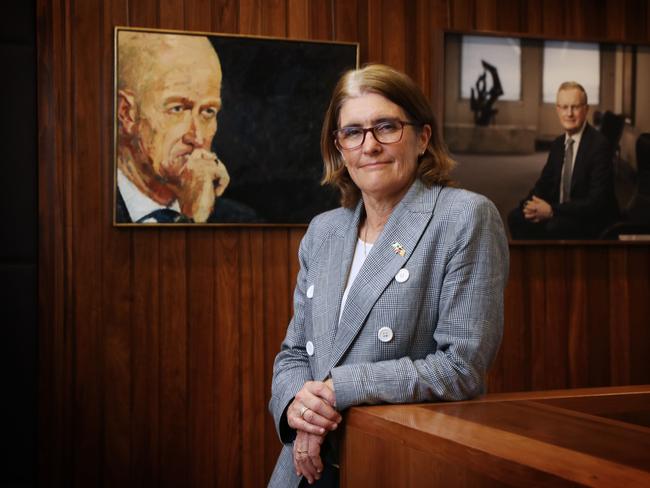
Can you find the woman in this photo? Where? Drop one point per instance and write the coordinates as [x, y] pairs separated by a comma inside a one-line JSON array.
[[400, 291]]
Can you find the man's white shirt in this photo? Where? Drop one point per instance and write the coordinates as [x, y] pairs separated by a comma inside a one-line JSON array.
[[137, 203]]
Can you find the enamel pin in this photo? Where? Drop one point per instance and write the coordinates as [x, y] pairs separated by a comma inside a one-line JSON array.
[[398, 248]]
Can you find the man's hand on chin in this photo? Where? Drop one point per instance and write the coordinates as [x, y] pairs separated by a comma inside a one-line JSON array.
[[203, 178]]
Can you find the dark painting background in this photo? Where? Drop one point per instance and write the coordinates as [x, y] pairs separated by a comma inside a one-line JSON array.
[[275, 94]]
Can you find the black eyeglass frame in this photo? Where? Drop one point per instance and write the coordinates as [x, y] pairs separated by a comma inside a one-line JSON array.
[[372, 129]]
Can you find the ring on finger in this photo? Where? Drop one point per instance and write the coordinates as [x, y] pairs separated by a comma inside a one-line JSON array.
[[303, 409]]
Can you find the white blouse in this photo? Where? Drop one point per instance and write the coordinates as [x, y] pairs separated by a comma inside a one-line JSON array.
[[361, 251]]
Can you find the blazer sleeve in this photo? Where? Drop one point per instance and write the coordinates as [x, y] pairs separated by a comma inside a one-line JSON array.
[[469, 325], [547, 186], [291, 367]]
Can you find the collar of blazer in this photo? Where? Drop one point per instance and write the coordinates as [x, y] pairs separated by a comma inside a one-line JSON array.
[[405, 226]]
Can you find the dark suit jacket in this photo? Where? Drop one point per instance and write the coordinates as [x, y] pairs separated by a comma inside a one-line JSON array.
[[593, 203], [225, 211]]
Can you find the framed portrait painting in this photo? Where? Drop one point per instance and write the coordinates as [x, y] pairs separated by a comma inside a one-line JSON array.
[[214, 129]]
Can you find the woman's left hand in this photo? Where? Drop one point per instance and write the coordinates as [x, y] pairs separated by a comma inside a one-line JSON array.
[[313, 408], [306, 456]]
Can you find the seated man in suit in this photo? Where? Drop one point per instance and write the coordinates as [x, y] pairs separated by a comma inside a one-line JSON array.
[[168, 97], [574, 196]]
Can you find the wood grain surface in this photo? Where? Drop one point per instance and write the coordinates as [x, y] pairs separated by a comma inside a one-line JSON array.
[[558, 438]]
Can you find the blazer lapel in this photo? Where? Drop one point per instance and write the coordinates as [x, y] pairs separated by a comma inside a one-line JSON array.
[[403, 230], [339, 259]]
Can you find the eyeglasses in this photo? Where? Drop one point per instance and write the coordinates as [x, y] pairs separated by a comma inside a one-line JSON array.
[[572, 108], [386, 132]]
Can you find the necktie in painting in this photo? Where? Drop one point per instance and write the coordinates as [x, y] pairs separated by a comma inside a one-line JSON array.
[[166, 216], [567, 169]]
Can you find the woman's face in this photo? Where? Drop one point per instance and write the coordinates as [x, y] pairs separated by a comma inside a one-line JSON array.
[[381, 171]]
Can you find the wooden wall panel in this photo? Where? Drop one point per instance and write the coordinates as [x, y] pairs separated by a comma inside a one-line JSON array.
[[615, 20], [274, 17], [298, 19], [277, 310], [636, 14], [393, 28], [462, 14], [533, 21], [638, 271], [253, 369], [372, 48], [619, 320], [571, 321], [510, 14], [225, 16], [116, 294], [576, 314], [534, 281], [228, 337], [250, 19], [554, 18], [557, 319], [486, 15], [420, 43], [86, 229], [55, 336], [320, 14], [593, 26], [346, 18], [202, 410], [156, 347], [173, 374], [515, 345]]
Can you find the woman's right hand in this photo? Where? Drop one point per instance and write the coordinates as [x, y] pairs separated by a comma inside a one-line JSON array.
[[306, 456], [312, 409]]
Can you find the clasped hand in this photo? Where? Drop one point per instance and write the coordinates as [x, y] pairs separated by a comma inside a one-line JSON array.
[[312, 414], [537, 210]]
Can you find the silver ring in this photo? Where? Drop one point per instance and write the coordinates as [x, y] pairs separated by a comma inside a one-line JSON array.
[[303, 409]]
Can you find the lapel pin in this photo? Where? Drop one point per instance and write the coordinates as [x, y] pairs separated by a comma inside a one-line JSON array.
[[398, 248]]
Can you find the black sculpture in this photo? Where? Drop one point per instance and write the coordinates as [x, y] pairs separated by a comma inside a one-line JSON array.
[[481, 103]]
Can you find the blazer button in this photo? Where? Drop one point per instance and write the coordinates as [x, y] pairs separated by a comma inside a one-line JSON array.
[[310, 348], [402, 275], [385, 334], [310, 291]]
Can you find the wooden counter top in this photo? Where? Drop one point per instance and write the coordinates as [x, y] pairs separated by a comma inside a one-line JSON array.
[[592, 437]]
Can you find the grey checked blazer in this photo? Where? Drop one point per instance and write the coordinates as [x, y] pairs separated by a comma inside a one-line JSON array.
[[446, 318]]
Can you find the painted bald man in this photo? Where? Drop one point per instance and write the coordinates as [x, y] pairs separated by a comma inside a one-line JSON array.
[[168, 98]]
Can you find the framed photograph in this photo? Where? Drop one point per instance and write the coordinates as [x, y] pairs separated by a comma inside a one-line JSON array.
[[214, 129], [502, 121]]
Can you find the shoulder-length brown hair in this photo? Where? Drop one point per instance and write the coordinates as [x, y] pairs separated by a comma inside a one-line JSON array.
[[434, 165]]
